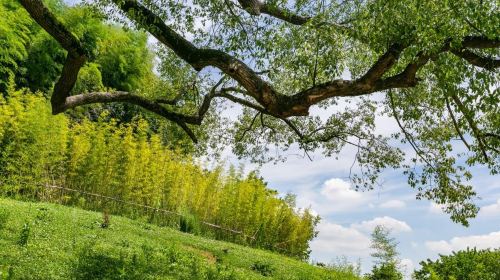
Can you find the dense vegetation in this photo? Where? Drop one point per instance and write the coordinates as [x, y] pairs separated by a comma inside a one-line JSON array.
[[129, 162], [47, 241], [435, 65], [121, 59], [116, 150], [431, 66], [470, 264]]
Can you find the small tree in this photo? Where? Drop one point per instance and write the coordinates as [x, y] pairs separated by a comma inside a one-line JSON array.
[[386, 255]]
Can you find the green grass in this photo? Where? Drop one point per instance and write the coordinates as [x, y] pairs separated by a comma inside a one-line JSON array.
[[50, 241]]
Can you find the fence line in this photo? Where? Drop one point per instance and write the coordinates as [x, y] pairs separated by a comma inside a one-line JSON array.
[[144, 206]]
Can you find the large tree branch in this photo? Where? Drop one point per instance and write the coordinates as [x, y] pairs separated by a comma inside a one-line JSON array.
[[480, 42], [122, 96], [53, 26], [256, 7], [477, 60], [76, 53], [269, 101], [66, 82], [199, 58], [472, 124]]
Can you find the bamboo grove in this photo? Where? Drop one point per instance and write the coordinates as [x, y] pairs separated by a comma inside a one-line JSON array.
[[129, 162]]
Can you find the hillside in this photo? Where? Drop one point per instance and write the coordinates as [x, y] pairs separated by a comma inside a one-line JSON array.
[[49, 241]]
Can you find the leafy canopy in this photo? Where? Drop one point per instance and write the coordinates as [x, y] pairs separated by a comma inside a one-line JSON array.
[[429, 65], [470, 264]]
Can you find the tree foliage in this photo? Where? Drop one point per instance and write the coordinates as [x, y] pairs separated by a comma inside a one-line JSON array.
[[386, 256], [470, 264], [429, 65], [131, 163], [36, 59], [14, 36]]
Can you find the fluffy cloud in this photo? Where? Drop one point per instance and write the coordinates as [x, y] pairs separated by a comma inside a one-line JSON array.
[[337, 240], [393, 204], [407, 267], [491, 240], [394, 225], [338, 189], [490, 210], [340, 195]]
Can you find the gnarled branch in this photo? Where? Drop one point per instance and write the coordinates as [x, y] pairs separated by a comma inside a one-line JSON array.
[[267, 99]]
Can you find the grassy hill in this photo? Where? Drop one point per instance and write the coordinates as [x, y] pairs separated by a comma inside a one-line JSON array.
[[48, 241]]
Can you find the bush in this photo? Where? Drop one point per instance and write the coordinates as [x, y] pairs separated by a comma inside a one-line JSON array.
[[189, 223], [386, 271], [89, 79], [470, 264], [24, 235], [263, 268]]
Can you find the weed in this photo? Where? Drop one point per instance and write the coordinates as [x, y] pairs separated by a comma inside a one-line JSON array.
[[265, 269], [24, 236], [105, 219]]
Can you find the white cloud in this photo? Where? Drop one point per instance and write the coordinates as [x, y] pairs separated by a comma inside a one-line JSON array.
[[340, 196], [354, 240], [394, 225], [442, 247], [491, 240], [407, 266], [491, 210], [338, 240], [337, 189], [393, 204]]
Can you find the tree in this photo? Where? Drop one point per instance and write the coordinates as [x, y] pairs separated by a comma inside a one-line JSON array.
[[470, 264], [14, 35], [384, 245], [434, 65], [386, 255]]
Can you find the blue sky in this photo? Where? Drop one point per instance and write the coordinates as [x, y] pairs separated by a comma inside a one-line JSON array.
[[348, 217]]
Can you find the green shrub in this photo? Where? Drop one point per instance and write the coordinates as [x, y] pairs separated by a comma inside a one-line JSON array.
[[189, 223], [6, 273], [263, 268], [89, 79], [24, 235], [470, 264], [386, 271]]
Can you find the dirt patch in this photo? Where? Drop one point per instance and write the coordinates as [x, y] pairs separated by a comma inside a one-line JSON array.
[[211, 258]]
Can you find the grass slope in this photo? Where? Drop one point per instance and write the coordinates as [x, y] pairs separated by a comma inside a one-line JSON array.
[[49, 241]]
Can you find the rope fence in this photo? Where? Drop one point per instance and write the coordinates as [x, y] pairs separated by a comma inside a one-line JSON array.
[[159, 210]]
